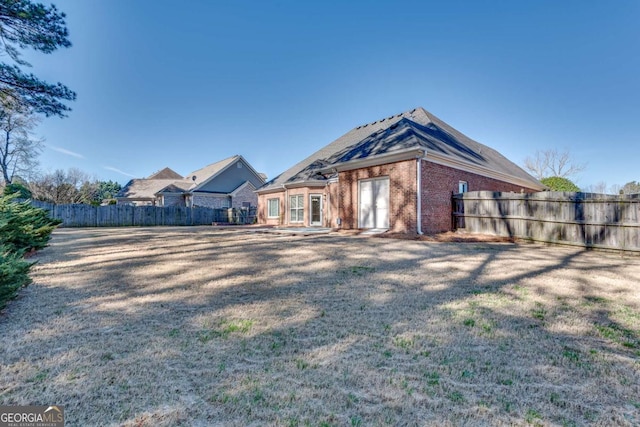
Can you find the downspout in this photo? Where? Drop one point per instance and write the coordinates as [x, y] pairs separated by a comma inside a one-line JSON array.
[[419, 193], [286, 206]]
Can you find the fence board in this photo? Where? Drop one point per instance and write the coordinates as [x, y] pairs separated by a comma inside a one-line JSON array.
[[79, 215], [585, 219]]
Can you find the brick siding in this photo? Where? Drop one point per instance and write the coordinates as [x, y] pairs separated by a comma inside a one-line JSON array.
[[171, 200], [440, 182], [263, 208], [340, 200], [245, 195], [402, 194], [208, 201]]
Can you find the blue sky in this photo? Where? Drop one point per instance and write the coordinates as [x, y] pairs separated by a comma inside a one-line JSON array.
[[184, 84]]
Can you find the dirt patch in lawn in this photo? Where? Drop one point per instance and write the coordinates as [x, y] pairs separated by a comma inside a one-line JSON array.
[[197, 326]]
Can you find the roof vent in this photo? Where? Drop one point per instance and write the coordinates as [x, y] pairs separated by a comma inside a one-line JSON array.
[[193, 178]]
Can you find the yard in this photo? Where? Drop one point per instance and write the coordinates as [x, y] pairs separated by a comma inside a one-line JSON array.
[[197, 326]]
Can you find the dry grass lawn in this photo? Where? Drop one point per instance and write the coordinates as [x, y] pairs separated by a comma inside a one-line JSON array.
[[197, 326]]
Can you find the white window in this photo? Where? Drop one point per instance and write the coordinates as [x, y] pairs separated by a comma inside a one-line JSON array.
[[463, 186], [226, 203], [296, 208], [273, 208]]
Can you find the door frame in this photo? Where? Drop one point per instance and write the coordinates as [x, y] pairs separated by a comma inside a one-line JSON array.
[[374, 205], [311, 222]]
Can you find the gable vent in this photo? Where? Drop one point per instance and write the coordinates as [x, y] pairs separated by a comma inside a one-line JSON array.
[[239, 165]]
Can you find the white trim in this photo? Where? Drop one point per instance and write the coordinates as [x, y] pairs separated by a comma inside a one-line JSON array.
[[277, 199], [297, 209], [311, 223], [299, 184], [359, 204]]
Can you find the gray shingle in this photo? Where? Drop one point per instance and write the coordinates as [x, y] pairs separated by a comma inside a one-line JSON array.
[[412, 129]]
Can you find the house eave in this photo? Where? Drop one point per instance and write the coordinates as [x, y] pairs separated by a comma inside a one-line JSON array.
[[452, 162], [307, 183], [295, 184], [381, 159]]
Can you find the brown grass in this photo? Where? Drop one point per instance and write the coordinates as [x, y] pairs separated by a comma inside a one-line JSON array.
[[195, 326]]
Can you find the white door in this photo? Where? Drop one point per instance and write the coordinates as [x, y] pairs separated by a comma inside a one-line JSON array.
[[374, 203], [316, 210]]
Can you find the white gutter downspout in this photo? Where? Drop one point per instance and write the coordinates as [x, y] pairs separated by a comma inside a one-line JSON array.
[[419, 194], [286, 206]]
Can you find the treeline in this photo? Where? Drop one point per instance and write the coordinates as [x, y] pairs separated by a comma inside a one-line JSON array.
[[23, 229], [65, 187]]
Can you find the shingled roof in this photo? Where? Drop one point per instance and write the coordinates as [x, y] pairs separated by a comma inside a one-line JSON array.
[[144, 189], [201, 175], [166, 173], [416, 129]]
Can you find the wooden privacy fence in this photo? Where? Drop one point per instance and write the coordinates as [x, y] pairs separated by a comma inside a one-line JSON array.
[[584, 219], [123, 215]]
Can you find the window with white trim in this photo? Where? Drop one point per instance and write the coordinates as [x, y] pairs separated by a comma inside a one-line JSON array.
[[463, 186], [273, 208], [296, 208]]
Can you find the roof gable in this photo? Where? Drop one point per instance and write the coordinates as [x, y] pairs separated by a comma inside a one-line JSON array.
[[204, 176], [165, 173]]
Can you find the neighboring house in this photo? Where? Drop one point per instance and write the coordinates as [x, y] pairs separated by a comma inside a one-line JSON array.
[[398, 173], [229, 183]]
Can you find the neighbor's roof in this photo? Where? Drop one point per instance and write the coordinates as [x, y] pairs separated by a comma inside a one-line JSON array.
[[415, 129], [144, 188], [201, 175], [147, 188], [165, 173]]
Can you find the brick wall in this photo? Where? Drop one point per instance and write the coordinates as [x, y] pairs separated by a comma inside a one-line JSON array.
[[210, 201], [402, 194], [171, 200], [263, 208], [340, 200], [440, 182], [331, 213], [245, 195], [283, 196]]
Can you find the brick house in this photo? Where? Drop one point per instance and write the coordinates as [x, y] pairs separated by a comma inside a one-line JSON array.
[[229, 183], [398, 173]]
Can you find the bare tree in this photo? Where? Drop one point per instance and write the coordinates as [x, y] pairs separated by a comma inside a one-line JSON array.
[[615, 189], [599, 188], [549, 163], [18, 149], [62, 187]]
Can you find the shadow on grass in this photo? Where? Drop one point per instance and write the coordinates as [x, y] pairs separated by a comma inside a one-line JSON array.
[[196, 326]]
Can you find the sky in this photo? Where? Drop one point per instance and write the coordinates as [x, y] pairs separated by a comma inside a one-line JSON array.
[[185, 84]]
